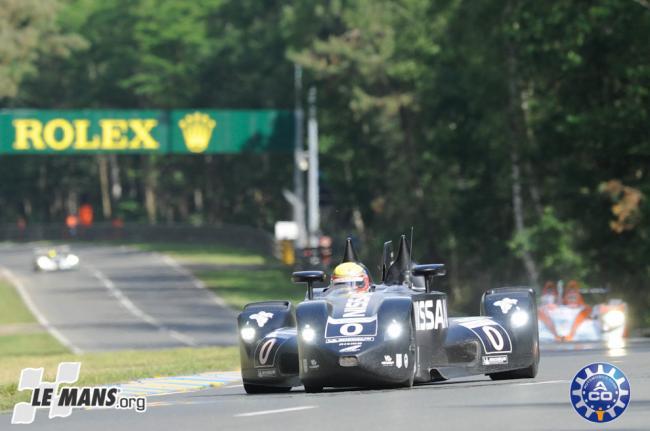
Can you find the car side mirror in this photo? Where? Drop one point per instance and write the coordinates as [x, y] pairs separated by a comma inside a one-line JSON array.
[[309, 277], [429, 271]]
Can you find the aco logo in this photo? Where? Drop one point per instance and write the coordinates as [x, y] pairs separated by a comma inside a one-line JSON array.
[[197, 131], [600, 392]]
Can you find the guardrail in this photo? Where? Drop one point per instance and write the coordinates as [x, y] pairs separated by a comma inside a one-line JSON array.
[[225, 234]]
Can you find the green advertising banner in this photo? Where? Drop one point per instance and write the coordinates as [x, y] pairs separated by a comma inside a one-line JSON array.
[[144, 131], [230, 131]]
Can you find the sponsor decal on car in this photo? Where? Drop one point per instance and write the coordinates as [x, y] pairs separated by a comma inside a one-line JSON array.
[[313, 364], [266, 373], [505, 304], [430, 314], [600, 392], [261, 318], [495, 360], [357, 329], [62, 400], [356, 305], [402, 360], [494, 338], [339, 341], [266, 352], [350, 349]]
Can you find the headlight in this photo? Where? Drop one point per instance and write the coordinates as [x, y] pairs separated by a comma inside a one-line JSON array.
[[308, 334], [519, 318], [394, 330], [44, 263], [247, 333], [614, 318]]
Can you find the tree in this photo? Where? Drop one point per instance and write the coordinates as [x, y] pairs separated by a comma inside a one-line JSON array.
[[29, 31], [463, 119]]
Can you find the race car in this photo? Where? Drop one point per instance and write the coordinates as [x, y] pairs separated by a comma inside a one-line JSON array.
[[55, 259], [390, 334], [564, 315]]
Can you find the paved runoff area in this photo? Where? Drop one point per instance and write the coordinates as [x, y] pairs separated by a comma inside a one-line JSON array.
[[119, 298]]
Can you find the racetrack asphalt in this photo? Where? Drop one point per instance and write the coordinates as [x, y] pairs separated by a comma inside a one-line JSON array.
[[160, 291], [473, 403], [119, 298]]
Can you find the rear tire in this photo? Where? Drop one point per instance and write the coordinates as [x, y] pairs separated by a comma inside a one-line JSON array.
[[258, 389], [313, 389]]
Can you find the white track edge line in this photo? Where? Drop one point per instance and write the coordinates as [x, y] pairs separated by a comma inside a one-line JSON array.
[[545, 382], [268, 412], [136, 311], [195, 281], [36, 312]]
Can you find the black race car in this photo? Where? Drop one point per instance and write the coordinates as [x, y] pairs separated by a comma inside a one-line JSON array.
[[396, 334]]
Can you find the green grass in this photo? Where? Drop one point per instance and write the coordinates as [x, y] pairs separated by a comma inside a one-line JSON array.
[[239, 287], [206, 254], [265, 280], [12, 309], [19, 345], [116, 367], [39, 349]]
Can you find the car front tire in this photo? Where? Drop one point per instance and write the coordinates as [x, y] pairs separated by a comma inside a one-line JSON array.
[[313, 389]]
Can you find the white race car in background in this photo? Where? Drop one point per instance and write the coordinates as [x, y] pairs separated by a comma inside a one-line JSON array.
[[565, 317], [55, 259]]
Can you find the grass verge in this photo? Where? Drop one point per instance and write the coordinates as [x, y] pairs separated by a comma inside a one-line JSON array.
[[265, 280], [115, 367], [12, 309], [14, 343], [35, 344], [37, 348]]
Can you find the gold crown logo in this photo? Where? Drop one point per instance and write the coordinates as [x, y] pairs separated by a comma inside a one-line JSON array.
[[197, 131]]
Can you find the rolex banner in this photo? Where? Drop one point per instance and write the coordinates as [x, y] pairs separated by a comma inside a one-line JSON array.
[[194, 131]]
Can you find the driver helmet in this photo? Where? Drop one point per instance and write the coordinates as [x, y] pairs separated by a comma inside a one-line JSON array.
[[351, 275], [51, 253], [572, 295]]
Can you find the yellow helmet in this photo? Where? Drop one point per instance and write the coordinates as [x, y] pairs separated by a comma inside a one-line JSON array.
[[350, 274]]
